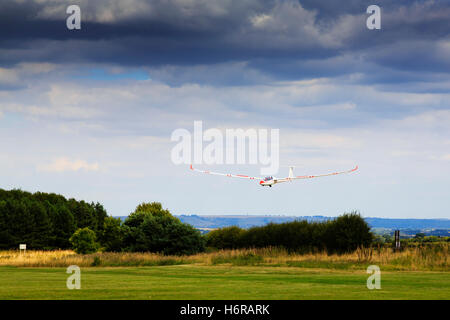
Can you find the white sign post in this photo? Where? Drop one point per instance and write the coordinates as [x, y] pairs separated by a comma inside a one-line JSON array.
[[22, 247]]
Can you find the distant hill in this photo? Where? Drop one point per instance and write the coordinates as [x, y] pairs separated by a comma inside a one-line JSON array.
[[250, 221], [409, 223]]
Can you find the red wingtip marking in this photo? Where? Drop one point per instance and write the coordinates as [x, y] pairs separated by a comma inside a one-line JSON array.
[[191, 167]]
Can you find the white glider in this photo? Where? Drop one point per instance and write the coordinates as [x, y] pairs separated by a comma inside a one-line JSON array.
[[270, 181]]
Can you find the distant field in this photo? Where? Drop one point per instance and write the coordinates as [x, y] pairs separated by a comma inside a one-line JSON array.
[[219, 282]]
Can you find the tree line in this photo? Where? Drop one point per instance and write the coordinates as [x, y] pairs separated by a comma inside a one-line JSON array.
[[44, 220], [50, 221], [343, 234]]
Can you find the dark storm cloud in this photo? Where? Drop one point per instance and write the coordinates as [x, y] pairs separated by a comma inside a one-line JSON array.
[[283, 39]]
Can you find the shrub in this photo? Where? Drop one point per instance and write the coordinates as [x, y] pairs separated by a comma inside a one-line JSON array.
[[161, 233], [97, 262], [343, 234], [225, 238], [348, 232], [83, 241]]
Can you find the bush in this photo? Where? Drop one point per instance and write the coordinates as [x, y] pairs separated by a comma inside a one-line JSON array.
[[97, 262], [83, 241], [225, 238], [348, 232], [154, 232], [343, 234]]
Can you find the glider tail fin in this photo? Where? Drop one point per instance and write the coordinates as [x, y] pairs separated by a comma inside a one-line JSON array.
[[291, 172]]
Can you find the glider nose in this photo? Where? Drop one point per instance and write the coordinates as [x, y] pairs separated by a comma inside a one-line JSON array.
[[261, 182]]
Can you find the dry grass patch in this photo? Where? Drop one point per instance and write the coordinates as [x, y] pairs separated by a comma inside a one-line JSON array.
[[433, 258]]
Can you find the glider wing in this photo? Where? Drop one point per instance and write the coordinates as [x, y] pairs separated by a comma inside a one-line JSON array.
[[225, 174], [323, 175]]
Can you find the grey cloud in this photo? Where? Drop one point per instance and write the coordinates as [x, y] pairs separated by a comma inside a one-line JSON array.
[[280, 40]]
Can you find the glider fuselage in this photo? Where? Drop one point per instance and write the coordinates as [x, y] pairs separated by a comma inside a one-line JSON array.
[[270, 181]]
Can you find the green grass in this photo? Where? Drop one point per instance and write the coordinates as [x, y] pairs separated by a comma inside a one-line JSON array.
[[219, 282]]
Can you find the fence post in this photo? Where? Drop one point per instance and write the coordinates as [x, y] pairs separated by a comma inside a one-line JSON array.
[[397, 240]]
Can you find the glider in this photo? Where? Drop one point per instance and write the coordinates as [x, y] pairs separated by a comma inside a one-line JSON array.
[[270, 181]]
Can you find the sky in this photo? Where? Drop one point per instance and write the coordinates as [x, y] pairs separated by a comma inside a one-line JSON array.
[[89, 113]]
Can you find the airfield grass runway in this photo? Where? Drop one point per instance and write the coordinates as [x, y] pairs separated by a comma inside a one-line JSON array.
[[219, 282]]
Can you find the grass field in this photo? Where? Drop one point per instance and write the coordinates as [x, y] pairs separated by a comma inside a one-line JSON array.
[[269, 273], [219, 282]]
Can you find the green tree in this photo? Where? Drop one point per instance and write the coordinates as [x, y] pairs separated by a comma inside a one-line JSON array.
[[168, 236], [100, 215], [21, 221], [63, 226], [84, 241], [150, 228], [112, 234], [6, 238], [144, 210], [42, 227], [45, 220], [153, 208]]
